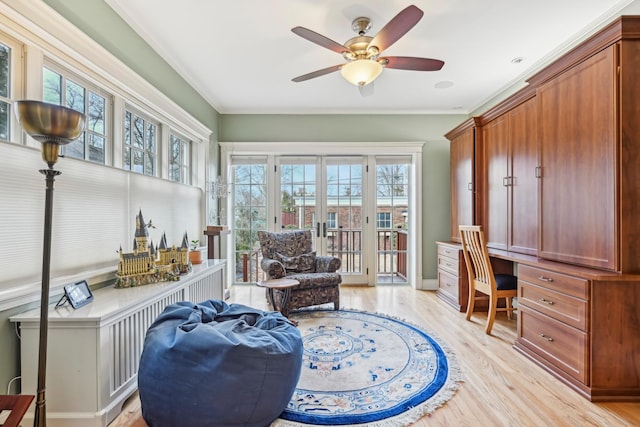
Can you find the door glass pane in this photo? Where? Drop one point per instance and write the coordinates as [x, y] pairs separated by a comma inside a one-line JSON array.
[[249, 215], [298, 195], [344, 209], [392, 210]]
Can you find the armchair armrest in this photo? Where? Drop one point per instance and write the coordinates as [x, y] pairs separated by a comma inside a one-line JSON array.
[[273, 268], [327, 264]]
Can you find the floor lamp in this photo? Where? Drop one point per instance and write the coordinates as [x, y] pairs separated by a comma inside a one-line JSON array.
[[52, 126]]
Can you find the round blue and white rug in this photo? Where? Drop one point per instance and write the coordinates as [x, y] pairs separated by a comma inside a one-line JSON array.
[[367, 369]]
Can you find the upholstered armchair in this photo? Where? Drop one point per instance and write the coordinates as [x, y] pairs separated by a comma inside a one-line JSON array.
[[288, 254]]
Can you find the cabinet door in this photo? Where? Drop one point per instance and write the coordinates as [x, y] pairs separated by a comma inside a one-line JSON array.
[[523, 188], [495, 137], [578, 121], [462, 182]]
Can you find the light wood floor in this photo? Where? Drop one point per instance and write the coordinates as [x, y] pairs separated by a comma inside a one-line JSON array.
[[500, 387]]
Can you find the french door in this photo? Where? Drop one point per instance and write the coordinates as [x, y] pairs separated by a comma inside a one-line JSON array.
[[326, 194], [363, 208]]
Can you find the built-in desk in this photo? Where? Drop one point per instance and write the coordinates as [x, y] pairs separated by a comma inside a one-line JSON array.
[[580, 324], [94, 351]]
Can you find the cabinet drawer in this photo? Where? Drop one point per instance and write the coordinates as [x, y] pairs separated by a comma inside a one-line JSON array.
[[448, 252], [559, 282], [448, 283], [563, 307], [447, 264], [560, 344]]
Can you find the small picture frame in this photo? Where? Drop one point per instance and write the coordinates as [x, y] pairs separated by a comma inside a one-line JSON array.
[[78, 294]]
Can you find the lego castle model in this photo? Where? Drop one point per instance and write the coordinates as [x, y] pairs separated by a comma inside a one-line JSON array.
[[149, 264]]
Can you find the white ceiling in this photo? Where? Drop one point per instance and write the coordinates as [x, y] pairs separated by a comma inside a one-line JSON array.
[[241, 55]]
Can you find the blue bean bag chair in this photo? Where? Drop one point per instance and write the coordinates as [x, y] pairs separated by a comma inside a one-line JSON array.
[[214, 364]]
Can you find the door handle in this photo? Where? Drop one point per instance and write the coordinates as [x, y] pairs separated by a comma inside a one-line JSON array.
[[324, 229], [318, 230]]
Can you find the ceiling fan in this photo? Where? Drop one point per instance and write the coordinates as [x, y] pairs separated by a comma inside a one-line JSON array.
[[362, 52]]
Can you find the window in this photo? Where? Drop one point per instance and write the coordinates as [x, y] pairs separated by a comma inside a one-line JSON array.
[[383, 220], [331, 220], [5, 93], [179, 149], [72, 92], [140, 143]]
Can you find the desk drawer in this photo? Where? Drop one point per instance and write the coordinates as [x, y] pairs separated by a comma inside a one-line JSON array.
[[449, 252], [449, 265], [563, 307], [448, 283], [558, 282], [562, 345]]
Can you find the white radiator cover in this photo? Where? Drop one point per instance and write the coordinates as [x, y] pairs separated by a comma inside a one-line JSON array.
[[94, 351]]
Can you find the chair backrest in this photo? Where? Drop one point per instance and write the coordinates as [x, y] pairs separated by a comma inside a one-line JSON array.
[[476, 255], [289, 243]]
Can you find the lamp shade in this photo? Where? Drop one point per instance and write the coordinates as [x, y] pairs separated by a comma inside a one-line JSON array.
[[50, 124], [361, 72]]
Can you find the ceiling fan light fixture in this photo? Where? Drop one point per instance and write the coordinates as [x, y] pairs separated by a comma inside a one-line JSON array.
[[361, 72]]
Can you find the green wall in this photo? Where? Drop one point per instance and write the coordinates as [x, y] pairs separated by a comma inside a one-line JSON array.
[[369, 128]]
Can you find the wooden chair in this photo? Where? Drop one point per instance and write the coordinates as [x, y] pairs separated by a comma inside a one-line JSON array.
[[481, 277], [17, 404]]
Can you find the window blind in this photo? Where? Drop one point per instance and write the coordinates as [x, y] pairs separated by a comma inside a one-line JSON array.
[[94, 209]]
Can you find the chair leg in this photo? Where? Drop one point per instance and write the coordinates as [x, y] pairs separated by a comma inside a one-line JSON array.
[[509, 308], [491, 316], [472, 301]]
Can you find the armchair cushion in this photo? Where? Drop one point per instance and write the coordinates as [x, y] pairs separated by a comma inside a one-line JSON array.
[[273, 268], [304, 263], [327, 264]]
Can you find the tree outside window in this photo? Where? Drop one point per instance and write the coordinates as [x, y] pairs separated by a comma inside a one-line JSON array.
[[72, 93], [179, 159], [5, 95], [140, 144]]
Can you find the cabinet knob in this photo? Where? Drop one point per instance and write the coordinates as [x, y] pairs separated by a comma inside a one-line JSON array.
[[546, 301], [470, 186], [545, 279], [544, 337]]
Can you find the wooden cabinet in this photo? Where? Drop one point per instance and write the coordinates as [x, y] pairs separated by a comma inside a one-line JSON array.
[[463, 175], [553, 319], [582, 326], [579, 293], [510, 150], [453, 282], [578, 159], [589, 135]]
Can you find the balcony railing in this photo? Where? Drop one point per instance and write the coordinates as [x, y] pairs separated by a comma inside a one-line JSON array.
[[391, 256]]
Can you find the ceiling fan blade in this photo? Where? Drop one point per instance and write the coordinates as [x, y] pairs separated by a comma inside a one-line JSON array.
[[396, 28], [366, 90], [410, 63], [319, 39], [317, 73]]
